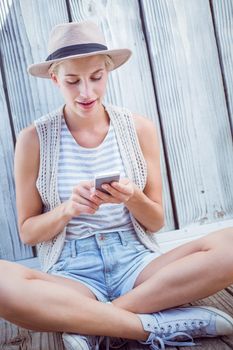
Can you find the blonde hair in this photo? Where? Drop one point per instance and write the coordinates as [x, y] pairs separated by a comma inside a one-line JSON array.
[[109, 64]]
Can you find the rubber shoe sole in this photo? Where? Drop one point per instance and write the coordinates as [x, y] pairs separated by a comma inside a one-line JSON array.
[[74, 342]]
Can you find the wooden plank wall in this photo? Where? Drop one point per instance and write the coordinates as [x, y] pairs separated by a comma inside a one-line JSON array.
[[10, 247], [180, 76], [222, 12], [191, 100]]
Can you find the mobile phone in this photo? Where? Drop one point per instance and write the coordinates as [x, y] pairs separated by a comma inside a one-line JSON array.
[[106, 178]]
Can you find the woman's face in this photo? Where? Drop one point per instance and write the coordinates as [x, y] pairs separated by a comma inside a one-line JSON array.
[[82, 83]]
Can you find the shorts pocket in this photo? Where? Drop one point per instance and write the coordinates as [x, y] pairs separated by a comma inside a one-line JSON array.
[[137, 246], [60, 265]]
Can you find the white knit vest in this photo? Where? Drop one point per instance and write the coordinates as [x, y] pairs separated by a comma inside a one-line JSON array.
[[48, 128]]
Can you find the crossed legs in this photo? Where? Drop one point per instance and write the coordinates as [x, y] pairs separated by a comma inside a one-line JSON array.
[[32, 299]]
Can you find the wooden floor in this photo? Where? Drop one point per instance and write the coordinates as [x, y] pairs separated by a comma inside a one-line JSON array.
[[16, 338]]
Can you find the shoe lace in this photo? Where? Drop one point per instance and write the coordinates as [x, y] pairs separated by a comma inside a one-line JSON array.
[[158, 343], [115, 343], [199, 327], [94, 342]]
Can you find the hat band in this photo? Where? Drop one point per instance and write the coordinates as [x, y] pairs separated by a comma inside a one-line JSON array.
[[75, 50]]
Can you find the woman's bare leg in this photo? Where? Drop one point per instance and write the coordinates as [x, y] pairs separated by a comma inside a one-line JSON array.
[[187, 273], [35, 300]]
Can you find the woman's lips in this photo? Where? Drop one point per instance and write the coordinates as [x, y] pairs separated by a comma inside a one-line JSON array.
[[87, 105]]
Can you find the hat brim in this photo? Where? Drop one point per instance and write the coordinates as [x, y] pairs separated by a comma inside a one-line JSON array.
[[118, 56]]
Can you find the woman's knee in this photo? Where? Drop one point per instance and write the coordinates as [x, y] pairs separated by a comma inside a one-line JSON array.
[[12, 280], [9, 270], [227, 244], [218, 239], [224, 238], [222, 245], [11, 275]]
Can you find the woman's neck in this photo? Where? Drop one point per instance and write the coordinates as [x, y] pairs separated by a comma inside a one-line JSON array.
[[75, 122]]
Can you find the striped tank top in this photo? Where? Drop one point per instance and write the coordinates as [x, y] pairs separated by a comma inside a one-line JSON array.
[[77, 163]]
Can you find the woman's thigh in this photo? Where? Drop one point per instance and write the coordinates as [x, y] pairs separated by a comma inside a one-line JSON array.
[[13, 273], [78, 286], [218, 240]]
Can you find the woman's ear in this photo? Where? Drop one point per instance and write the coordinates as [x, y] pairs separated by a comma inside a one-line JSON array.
[[54, 78]]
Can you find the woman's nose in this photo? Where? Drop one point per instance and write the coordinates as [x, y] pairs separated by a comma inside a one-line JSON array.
[[85, 90]]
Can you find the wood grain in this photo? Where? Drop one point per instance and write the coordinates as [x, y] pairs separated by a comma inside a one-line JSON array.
[[24, 36], [10, 248], [223, 20], [17, 338], [193, 108]]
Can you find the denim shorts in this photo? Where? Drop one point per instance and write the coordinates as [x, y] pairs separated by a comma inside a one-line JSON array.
[[107, 263]]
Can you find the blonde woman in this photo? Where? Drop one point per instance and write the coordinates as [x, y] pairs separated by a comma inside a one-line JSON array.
[[102, 271]]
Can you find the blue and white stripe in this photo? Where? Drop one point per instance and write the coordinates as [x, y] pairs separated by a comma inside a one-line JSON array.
[[77, 163]]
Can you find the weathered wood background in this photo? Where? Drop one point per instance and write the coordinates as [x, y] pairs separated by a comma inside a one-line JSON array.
[[180, 76]]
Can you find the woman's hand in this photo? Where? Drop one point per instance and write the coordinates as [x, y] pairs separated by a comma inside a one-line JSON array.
[[82, 200], [118, 192]]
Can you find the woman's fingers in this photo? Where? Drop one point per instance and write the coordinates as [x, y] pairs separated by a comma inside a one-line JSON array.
[[123, 187], [84, 209], [106, 198], [118, 192], [82, 200], [82, 194]]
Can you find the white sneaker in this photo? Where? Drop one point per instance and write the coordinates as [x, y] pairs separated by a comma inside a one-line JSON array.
[[178, 326], [80, 342]]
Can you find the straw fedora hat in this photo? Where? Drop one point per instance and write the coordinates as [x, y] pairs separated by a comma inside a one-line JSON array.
[[74, 40]]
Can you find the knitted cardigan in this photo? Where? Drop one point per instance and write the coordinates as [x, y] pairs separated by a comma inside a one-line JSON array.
[[48, 128]]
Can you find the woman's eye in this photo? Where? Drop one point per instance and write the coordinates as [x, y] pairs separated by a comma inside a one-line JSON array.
[[72, 82], [97, 78], [77, 81]]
